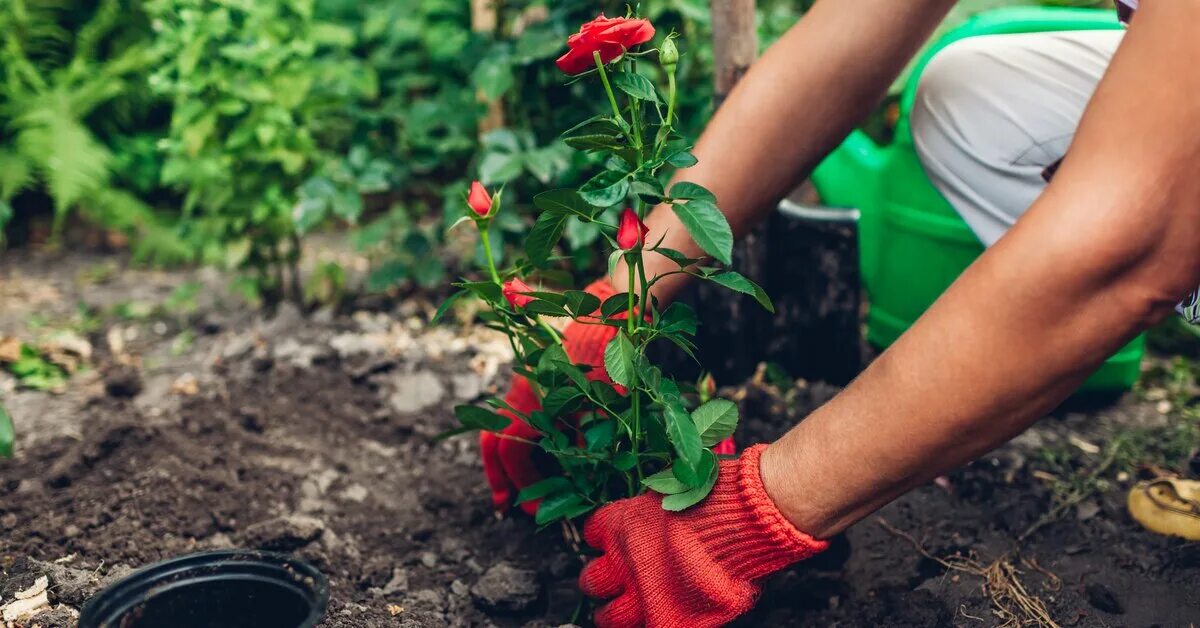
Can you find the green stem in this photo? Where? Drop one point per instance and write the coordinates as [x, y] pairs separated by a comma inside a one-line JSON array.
[[669, 122], [487, 252], [552, 331], [612, 99], [630, 324]]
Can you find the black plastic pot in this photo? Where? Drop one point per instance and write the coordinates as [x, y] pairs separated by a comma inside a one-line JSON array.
[[222, 589]]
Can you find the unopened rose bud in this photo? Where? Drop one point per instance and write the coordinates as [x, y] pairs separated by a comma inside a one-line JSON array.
[[513, 292], [479, 200], [668, 54], [631, 232]]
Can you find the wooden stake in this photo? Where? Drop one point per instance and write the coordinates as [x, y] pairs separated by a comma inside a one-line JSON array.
[[735, 43], [485, 18]]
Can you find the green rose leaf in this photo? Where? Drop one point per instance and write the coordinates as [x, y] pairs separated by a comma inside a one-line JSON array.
[[618, 359], [707, 226], [562, 506], [691, 497], [664, 482], [635, 85], [687, 191], [715, 421], [581, 303], [738, 283], [545, 234], [474, 417], [564, 202], [545, 488]]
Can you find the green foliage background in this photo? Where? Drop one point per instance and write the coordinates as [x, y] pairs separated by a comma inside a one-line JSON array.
[[224, 131]]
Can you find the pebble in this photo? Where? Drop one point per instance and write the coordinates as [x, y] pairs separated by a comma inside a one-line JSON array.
[[415, 392], [504, 588], [429, 559], [284, 533]]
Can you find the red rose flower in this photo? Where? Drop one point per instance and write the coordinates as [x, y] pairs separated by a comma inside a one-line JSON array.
[[513, 289], [479, 200], [611, 37], [631, 231]]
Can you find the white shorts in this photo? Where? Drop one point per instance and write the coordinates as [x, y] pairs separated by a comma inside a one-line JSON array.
[[994, 112]]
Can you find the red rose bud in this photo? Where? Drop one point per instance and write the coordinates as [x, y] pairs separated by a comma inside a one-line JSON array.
[[610, 37], [479, 200], [513, 289], [631, 231]]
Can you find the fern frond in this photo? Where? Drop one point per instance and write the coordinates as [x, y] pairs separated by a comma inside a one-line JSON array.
[[16, 173], [67, 156]]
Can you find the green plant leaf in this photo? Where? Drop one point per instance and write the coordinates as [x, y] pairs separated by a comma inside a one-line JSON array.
[[446, 305], [691, 497], [664, 482], [694, 477], [635, 85], [561, 506], [707, 226], [616, 303], [681, 430], [546, 308], [738, 283], [544, 488], [675, 256], [687, 191], [474, 417], [564, 202], [605, 189], [625, 461], [485, 290], [715, 421], [682, 159], [545, 234], [561, 401], [618, 359], [6, 433], [600, 435], [581, 303], [679, 318]]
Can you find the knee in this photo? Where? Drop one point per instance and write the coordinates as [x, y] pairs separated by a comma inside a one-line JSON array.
[[955, 97]]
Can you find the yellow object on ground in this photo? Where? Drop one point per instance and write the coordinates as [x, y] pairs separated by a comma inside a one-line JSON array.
[[1167, 506]]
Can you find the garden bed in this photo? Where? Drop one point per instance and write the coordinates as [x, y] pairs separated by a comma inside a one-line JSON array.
[[314, 435]]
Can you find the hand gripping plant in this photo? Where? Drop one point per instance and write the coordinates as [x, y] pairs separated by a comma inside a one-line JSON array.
[[619, 427]]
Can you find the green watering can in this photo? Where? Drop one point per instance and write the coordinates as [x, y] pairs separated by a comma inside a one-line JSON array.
[[912, 243]]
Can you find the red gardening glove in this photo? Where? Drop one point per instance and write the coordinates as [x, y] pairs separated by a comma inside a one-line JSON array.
[[508, 463], [697, 568]]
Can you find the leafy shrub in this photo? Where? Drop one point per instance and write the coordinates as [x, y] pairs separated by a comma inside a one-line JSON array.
[[251, 85]]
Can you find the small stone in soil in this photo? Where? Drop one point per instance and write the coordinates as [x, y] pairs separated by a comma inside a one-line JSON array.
[[429, 559], [284, 533], [1101, 598], [123, 381], [506, 589]]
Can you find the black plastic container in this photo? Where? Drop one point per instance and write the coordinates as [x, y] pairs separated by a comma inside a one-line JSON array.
[[222, 589]]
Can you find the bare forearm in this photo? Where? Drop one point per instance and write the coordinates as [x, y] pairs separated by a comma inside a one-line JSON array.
[[1101, 256], [795, 105]]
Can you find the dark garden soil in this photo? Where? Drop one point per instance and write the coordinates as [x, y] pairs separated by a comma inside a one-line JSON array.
[[314, 435]]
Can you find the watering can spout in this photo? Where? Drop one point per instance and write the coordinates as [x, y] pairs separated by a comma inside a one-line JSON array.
[[849, 176]]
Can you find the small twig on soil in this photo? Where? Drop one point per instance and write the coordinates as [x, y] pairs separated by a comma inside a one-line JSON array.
[[1001, 583], [572, 536], [1073, 498]]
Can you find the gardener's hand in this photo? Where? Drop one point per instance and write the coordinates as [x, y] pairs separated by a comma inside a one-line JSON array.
[[508, 456], [697, 568]]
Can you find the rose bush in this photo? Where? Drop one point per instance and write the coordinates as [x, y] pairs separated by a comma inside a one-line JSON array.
[[590, 398]]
